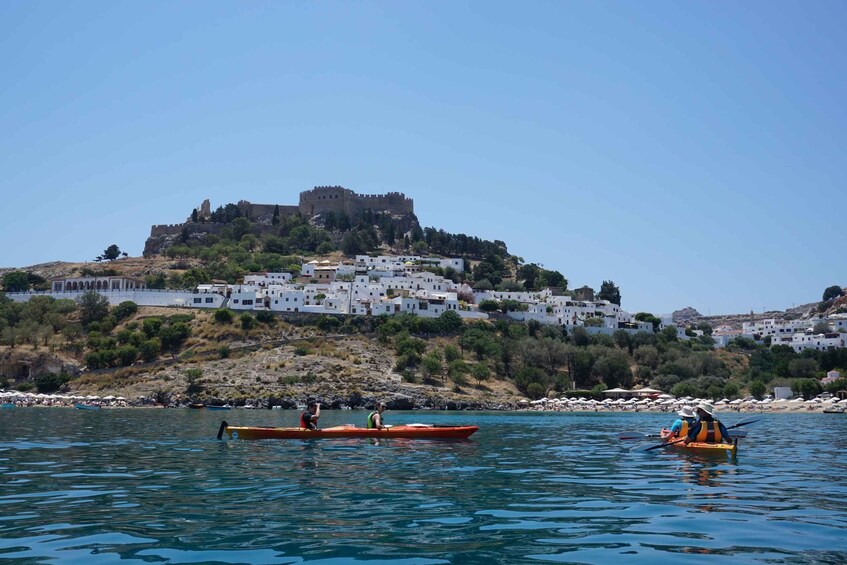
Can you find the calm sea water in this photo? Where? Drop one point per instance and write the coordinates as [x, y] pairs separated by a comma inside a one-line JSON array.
[[155, 486]]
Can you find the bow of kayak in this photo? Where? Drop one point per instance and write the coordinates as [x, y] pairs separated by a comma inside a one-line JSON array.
[[347, 431]]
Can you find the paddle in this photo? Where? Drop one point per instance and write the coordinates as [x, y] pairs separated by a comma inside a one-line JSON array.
[[642, 435], [222, 428], [744, 422], [438, 425]]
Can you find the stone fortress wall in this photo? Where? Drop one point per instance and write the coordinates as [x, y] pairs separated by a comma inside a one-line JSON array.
[[176, 229], [340, 200], [319, 200]]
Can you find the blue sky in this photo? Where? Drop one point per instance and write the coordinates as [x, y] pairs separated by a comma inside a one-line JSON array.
[[690, 152]]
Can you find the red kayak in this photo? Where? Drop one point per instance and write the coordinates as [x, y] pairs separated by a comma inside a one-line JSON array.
[[409, 431]]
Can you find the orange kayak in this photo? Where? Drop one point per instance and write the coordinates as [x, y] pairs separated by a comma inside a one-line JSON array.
[[702, 448], [411, 431]]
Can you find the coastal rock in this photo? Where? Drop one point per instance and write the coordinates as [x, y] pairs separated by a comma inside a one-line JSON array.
[[686, 316]]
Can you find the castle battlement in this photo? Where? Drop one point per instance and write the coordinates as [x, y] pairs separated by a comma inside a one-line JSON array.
[[319, 200], [340, 200]]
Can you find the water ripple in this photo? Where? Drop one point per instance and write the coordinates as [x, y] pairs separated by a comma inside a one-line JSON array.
[[142, 486]]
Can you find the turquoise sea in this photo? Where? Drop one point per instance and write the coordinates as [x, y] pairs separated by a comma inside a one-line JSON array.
[[155, 486]]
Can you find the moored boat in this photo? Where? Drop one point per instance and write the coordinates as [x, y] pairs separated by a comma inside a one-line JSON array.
[[701, 448], [86, 407], [409, 431], [197, 405], [224, 407]]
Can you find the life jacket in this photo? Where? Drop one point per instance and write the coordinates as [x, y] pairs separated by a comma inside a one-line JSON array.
[[371, 424], [683, 431], [306, 420], [710, 432]]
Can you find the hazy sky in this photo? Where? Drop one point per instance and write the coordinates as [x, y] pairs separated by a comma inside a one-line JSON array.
[[692, 152]]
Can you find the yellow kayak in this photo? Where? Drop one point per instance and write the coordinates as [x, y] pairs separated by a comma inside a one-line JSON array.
[[702, 448]]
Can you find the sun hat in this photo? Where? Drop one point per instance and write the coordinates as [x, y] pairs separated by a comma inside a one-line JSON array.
[[687, 412], [707, 408]]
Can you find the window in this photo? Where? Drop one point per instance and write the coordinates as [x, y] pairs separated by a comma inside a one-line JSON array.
[[210, 300], [198, 300], [247, 302], [235, 301]]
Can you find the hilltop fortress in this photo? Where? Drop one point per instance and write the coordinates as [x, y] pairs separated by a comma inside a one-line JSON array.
[[316, 202]]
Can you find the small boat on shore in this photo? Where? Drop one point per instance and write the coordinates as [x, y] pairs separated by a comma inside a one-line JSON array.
[[834, 410], [409, 431], [7, 405], [224, 407], [86, 407], [702, 448], [197, 405]]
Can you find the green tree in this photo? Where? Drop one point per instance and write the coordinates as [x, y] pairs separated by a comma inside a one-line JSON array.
[[648, 317], [705, 327], [456, 370], [609, 291], [686, 388], [50, 382], [832, 292], [802, 368], [451, 353], [730, 390], [127, 355], [581, 337], [531, 381], [248, 322], [431, 365], [449, 323], [125, 309], [111, 253], [821, 328], [174, 335], [152, 326], [613, 369], [223, 316], [623, 340], [16, 281], [481, 372], [93, 307], [529, 274], [757, 389], [808, 388], [275, 218], [150, 349], [488, 306]]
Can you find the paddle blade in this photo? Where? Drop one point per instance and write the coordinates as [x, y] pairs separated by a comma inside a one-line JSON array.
[[631, 435], [745, 422], [636, 435]]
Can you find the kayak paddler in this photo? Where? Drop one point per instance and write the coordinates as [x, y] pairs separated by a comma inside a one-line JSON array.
[[686, 419], [707, 429], [309, 417], [375, 418]]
